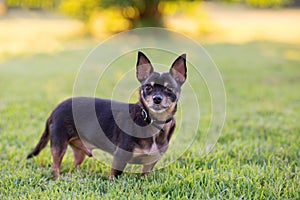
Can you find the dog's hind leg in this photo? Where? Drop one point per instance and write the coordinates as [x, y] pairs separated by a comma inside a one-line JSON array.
[[58, 153], [59, 144], [79, 151], [79, 156]]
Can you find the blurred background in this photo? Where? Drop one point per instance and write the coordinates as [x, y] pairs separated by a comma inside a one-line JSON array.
[[51, 25]]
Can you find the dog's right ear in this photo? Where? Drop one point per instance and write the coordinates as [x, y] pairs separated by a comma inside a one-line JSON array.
[[143, 67], [178, 69]]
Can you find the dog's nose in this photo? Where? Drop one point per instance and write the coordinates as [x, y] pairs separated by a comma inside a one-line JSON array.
[[157, 99]]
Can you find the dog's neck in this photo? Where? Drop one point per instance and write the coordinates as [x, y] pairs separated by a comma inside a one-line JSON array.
[[149, 118], [154, 122]]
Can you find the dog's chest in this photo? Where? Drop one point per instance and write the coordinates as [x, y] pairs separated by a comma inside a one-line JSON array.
[[147, 147], [154, 144], [149, 150]]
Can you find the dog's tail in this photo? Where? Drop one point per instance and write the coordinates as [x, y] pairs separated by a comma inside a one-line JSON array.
[[42, 143]]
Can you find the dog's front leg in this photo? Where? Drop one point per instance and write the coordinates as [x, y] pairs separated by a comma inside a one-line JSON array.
[[120, 159], [147, 168]]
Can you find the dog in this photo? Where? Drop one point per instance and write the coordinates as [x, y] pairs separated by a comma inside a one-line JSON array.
[[133, 133]]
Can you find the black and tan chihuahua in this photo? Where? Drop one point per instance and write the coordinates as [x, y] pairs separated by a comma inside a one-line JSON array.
[[133, 133]]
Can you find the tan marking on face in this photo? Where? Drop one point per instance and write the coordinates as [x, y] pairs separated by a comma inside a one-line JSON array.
[[169, 111], [166, 84], [146, 101], [163, 116], [152, 83]]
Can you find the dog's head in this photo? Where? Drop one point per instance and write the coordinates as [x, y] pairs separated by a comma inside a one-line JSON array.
[[159, 92]]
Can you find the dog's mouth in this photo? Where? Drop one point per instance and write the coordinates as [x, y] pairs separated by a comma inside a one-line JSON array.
[[158, 108]]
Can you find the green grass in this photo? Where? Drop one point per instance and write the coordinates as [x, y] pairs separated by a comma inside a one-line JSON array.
[[256, 157]]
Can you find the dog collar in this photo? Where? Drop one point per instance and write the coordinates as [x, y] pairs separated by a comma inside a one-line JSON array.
[[154, 122]]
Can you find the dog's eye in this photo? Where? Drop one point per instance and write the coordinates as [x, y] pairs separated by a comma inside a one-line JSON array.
[[171, 94], [169, 91], [148, 88]]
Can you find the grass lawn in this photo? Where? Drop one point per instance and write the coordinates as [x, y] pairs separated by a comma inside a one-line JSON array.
[[256, 157]]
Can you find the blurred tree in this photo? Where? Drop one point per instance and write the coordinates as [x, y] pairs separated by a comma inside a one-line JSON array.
[[80, 9], [139, 12], [118, 15]]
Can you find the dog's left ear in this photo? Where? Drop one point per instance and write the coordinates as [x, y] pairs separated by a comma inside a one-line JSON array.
[[143, 67], [179, 70]]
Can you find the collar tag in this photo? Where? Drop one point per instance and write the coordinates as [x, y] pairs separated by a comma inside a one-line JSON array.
[[144, 114]]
